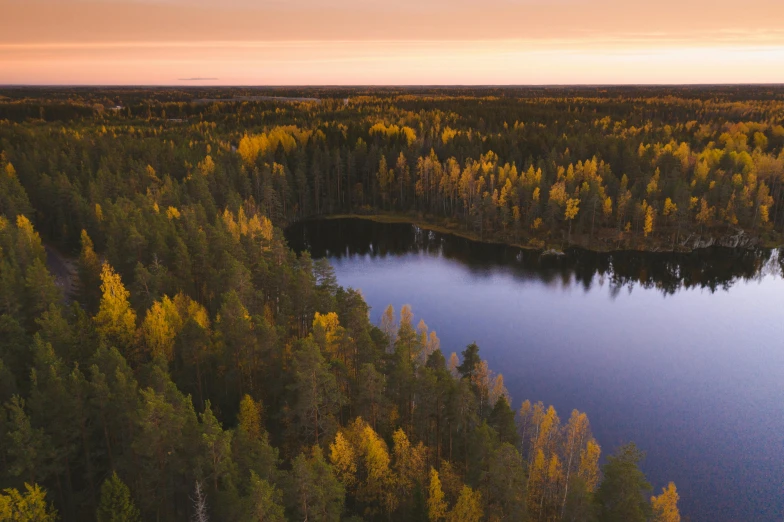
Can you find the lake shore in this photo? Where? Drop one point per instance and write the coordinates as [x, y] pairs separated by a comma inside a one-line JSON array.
[[654, 333], [602, 243]]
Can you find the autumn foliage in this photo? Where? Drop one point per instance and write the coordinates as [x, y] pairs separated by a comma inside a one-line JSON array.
[[164, 355]]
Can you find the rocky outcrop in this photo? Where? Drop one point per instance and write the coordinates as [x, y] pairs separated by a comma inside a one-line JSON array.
[[740, 239]]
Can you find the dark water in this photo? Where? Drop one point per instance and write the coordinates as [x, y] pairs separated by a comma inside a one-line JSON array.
[[681, 353]]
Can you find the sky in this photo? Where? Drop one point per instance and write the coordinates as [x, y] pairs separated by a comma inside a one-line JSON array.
[[393, 42]]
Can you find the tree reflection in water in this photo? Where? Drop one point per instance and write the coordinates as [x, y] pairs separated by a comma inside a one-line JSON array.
[[713, 268]]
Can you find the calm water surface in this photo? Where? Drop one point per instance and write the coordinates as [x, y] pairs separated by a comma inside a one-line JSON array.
[[682, 354]]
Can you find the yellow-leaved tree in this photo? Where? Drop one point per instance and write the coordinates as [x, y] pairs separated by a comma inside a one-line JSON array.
[[648, 214], [29, 506], [705, 214], [555, 483], [363, 464], [670, 208], [379, 482], [436, 505], [115, 320], [328, 333], [29, 246], [588, 470], [468, 507], [408, 465], [160, 327], [344, 461], [207, 165], [537, 481], [576, 433], [572, 208], [545, 473], [665, 506], [607, 207]]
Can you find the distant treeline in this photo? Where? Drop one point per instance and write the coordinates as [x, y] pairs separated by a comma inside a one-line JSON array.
[[609, 168]]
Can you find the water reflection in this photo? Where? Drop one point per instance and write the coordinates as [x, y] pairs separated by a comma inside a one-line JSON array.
[[689, 365], [712, 268]]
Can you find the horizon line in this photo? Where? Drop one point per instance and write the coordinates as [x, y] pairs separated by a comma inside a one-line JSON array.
[[387, 85]]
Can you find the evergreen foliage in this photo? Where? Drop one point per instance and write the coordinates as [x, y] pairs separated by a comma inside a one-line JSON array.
[[153, 320]]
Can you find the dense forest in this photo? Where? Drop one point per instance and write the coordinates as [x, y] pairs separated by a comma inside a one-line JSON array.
[[608, 169], [164, 355]]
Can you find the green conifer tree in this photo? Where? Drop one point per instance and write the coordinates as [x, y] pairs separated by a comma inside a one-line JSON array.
[[116, 504]]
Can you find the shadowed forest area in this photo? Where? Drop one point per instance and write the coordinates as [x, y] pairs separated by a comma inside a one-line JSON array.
[[200, 368]]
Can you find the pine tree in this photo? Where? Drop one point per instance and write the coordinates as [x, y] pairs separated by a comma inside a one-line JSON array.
[[251, 449], [312, 491], [89, 273], [29, 448], [470, 361], [13, 197], [7, 384], [40, 289], [371, 399], [166, 437], [264, 502], [503, 485], [115, 399], [579, 505], [620, 497], [53, 405], [116, 503], [215, 448], [315, 393], [237, 340]]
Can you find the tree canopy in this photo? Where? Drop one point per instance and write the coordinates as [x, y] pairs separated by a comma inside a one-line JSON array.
[[164, 355]]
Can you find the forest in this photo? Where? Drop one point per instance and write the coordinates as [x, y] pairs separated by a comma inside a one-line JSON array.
[[164, 354], [604, 168]]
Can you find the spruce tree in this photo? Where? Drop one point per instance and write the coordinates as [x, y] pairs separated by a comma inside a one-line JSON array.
[[502, 419]]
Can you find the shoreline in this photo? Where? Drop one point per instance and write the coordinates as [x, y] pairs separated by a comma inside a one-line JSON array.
[[545, 246]]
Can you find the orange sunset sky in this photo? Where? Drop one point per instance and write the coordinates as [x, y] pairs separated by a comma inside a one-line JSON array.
[[298, 42]]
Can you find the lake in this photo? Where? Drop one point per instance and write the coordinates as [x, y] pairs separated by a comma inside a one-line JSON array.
[[681, 353]]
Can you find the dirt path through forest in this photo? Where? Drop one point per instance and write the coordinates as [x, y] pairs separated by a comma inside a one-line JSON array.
[[64, 271]]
